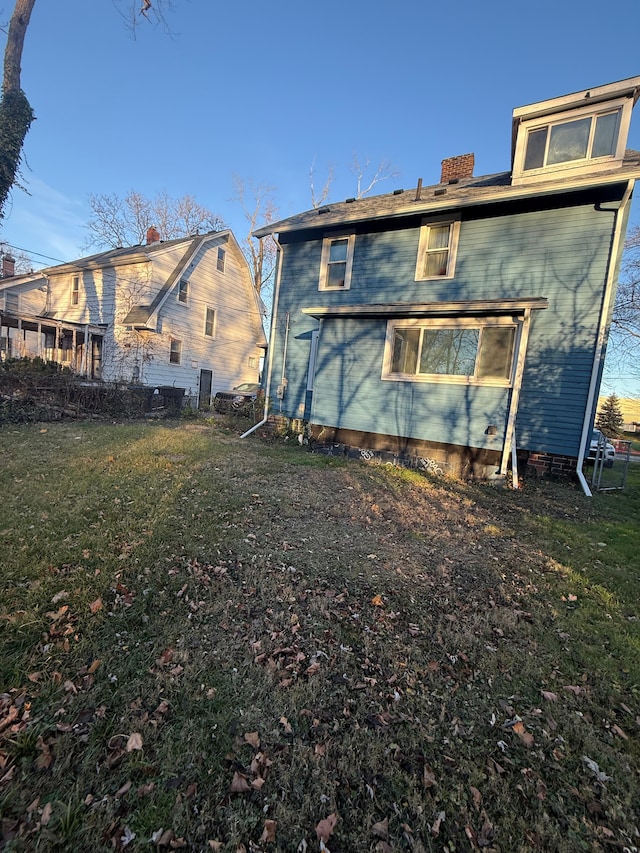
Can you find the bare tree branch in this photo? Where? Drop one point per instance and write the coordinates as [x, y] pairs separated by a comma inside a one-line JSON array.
[[124, 221], [384, 172], [258, 207], [318, 200]]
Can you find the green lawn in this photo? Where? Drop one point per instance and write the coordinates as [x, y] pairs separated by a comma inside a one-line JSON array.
[[209, 643]]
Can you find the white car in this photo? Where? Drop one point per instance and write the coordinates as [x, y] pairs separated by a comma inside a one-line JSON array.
[[599, 439]]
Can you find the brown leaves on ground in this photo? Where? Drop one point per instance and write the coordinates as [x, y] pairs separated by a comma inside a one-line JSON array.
[[325, 828], [134, 741]]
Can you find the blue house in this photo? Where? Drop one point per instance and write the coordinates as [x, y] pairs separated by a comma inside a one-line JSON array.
[[463, 325]]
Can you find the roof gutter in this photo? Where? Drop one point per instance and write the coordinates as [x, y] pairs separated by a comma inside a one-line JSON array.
[[610, 288], [272, 338]]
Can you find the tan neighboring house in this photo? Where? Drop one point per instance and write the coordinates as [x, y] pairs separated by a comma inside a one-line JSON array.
[[179, 314]]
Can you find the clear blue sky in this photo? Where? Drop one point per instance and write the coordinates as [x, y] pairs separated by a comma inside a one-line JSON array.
[[263, 90]]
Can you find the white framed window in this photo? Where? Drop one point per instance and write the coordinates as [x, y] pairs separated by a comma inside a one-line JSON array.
[[11, 302], [585, 140], [465, 350], [183, 291], [220, 261], [74, 293], [336, 262], [253, 362], [437, 248], [175, 351], [209, 322]]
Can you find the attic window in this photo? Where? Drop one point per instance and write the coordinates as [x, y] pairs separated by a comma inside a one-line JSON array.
[[220, 260], [584, 138], [183, 291], [11, 303], [74, 295]]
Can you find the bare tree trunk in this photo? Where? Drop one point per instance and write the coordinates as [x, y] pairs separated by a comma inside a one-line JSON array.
[[16, 114]]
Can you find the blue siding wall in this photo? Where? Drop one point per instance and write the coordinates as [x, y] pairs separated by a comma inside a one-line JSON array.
[[560, 254]]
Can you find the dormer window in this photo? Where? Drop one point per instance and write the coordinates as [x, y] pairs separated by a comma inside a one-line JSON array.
[[574, 135], [579, 139]]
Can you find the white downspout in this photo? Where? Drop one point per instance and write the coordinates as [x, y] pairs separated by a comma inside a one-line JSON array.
[[272, 338], [606, 306]]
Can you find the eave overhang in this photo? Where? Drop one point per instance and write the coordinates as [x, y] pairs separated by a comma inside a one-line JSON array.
[[344, 215], [472, 307]]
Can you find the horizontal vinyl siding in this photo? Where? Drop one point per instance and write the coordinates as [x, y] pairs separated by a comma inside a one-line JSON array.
[[560, 254], [350, 394]]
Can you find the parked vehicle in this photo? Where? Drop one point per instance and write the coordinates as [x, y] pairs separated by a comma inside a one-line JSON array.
[[599, 439], [239, 399]]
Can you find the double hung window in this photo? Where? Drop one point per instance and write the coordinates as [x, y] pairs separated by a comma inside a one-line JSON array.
[[183, 291], [175, 351], [437, 249], [74, 296], [209, 322], [336, 263]]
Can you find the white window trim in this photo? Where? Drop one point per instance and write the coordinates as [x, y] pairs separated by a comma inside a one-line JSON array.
[[188, 292], [426, 224], [222, 259], [215, 322], [324, 261], [16, 306], [171, 342], [584, 166], [74, 293], [448, 323]]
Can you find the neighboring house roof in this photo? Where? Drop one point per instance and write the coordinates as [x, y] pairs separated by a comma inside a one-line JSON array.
[[467, 192]]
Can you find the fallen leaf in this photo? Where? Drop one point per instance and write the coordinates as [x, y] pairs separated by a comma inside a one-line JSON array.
[[96, 605], [122, 791], [377, 601], [549, 696], [166, 656], [525, 736], [134, 742], [45, 817], [428, 778], [239, 784], [94, 666], [477, 796], [269, 832], [435, 826], [324, 829], [486, 834], [619, 732], [252, 738], [216, 846], [381, 829], [286, 725]]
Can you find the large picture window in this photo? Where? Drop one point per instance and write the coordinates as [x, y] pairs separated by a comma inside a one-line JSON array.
[[437, 249], [467, 351], [337, 259]]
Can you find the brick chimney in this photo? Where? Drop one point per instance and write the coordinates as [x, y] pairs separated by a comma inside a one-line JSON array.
[[456, 168], [8, 266], [153, 235]]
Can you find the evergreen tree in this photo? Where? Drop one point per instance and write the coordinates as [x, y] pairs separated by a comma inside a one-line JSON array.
[[610, 418]]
